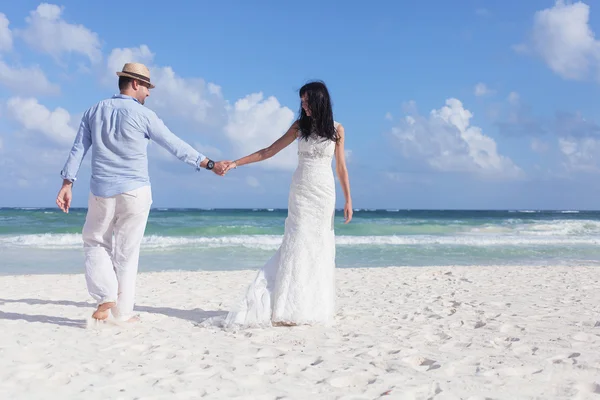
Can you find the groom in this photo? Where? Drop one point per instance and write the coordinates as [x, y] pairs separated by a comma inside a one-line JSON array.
[[118, 131]]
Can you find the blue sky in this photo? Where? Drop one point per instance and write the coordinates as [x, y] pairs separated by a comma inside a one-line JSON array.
[[471, 104]]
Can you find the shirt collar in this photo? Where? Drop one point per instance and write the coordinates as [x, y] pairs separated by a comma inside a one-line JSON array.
[[124, 96]]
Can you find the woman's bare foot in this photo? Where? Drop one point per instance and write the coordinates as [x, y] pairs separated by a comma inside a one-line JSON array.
[[283, 323], [103, 310], [135, 318]]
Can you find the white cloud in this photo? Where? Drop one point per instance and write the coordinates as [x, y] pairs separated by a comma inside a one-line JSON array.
[[539, 146], [118, 57], [187, 98], [47, 32], [446, 141], [252, 182], [255, 123], [35, 117], [190, 99], [6, 39], [26, 81], [481, 89], [562, 37], [513, 98], [581, 154]]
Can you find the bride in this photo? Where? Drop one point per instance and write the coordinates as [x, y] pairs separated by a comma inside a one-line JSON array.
[[297, 285]]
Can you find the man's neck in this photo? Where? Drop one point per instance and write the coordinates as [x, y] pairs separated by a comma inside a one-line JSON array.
[[128, 92]]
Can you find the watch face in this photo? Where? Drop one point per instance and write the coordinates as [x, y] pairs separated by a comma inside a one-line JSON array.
[[210, 164]]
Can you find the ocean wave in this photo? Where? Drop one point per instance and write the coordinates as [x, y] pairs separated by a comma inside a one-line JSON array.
[[560, 228], [270, 242]]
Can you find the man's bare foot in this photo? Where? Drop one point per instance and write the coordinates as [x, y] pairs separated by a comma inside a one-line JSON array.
[[103, 310]]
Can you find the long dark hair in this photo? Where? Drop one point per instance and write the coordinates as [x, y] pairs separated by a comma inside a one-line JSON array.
[[321, 120]]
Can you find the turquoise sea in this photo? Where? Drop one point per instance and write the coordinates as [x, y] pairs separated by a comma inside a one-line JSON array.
[[47, 241]]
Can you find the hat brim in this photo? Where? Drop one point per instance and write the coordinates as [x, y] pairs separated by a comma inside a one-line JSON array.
[[138, 77]]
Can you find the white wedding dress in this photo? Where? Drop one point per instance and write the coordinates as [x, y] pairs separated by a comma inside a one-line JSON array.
[[297, 285]]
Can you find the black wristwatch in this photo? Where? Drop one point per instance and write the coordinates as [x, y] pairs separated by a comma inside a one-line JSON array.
[[210, 165]]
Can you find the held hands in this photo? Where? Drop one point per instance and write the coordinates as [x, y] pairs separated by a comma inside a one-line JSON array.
[[221, 167]]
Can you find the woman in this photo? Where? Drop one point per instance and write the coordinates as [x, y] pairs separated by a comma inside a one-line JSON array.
[[296, 286]]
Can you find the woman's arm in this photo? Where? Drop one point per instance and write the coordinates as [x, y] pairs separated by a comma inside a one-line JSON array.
[[342, 172], [268, 152]]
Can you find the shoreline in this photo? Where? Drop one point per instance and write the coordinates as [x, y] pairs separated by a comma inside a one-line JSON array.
[[407, 332], [338, 268]]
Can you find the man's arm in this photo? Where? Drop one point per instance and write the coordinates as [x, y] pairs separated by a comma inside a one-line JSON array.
[[81, 145], [158, 132]]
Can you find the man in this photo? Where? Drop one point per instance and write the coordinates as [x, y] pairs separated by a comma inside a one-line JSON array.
[[118, 131]]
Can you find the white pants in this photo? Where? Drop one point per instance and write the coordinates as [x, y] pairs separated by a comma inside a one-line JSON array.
[[111, 266]]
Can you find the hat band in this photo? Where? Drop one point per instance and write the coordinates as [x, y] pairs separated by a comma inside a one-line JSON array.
[[139, 76]]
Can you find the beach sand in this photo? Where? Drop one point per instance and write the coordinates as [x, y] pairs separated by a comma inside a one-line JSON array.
[[400, 333]]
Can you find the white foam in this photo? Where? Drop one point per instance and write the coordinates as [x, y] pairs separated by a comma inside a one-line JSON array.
[[269, 242]]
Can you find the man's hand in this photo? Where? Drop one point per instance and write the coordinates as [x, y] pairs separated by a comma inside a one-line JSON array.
[[65, 195], [221, 167]]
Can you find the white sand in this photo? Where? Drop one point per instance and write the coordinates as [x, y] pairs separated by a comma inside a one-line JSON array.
[[405, 333]]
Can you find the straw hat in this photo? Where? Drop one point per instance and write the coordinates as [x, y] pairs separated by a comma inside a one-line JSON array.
[[137, 71]]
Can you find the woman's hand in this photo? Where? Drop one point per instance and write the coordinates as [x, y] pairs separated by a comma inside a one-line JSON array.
[[348, 212], [232, 165]]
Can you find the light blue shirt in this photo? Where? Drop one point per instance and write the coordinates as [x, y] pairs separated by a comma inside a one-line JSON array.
[[118, 130]]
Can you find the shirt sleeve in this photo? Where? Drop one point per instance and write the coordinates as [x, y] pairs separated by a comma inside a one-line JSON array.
[[159, 133], [82, 143]]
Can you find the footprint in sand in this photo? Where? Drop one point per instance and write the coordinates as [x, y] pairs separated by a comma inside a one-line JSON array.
[[504, 341], [347, 380], [317, 361], [507, 328], [268, 353], [585, 387], [565, 358], [437, 337], [525, 350], [479, 324], [455, 345], [421, 363], [582, 337], [516, 371]]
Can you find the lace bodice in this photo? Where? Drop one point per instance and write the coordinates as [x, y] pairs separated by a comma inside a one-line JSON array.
[[316, 147]]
